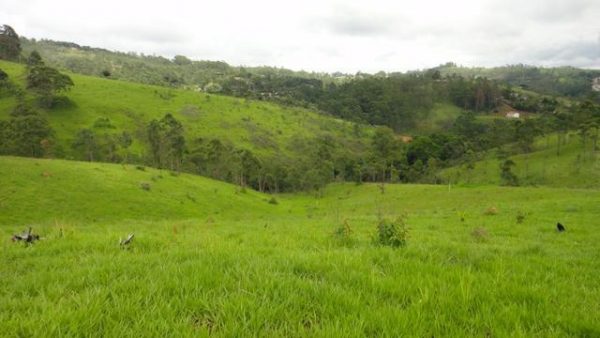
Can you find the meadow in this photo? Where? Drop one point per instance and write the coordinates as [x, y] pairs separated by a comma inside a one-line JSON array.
[[572, 166], [211, 259]]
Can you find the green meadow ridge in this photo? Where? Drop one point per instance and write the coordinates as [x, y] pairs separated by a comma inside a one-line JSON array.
[[209, 259]]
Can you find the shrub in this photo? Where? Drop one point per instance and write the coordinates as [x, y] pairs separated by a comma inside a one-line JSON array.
[[145, 186], [462, 215], [140, 167], [343, 234], [273, 200], [392, 233], [520, 217], [491, 211], [480, 234]]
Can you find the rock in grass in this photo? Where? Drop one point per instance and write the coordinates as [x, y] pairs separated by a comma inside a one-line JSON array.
[[26, 236], [126, 241]]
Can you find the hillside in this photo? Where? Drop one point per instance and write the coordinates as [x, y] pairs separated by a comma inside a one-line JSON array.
[[260, 126], [574, 167], [557, 81], [209, 260], [45, 191]]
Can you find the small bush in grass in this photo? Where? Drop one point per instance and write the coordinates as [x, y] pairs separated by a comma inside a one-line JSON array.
[[520, 217], [343, 234], [140, 167], [273, 200], [145, 186], [491, 211], [479, 234], [392, 233]]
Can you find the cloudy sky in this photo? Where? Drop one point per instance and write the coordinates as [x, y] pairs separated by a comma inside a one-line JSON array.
[[326, 35]]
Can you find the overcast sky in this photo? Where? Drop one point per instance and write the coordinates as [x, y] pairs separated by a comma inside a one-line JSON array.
[[324, 35]]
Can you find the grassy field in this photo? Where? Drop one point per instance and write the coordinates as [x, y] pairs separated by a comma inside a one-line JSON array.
[[262, 127], [573, 167], [209, 259]]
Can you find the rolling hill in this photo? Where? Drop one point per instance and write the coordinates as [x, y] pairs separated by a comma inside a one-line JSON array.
[[265, 128], [573, 167]]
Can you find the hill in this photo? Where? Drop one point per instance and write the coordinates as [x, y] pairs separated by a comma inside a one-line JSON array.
[[213, 125], [46, 191], [209, 260], [557, 81], [574, 166]]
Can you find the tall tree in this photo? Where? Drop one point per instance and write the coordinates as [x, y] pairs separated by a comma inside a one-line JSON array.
[[10, 47], [47, 82], [167, 143]]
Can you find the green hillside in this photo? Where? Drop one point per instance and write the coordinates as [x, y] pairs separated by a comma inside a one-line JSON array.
[[265, 128], [573, 167], [41, 190], [210, 260]]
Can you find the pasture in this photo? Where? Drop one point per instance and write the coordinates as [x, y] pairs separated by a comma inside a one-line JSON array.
[[210, 258]]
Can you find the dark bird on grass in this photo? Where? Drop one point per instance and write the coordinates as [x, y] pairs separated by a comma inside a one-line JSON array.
[[126, 241], [26, 236], [560, 227]]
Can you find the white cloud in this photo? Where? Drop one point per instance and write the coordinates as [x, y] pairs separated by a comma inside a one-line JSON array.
[[326, 35]]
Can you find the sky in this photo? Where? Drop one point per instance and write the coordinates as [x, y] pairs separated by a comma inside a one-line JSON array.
[[326, 35]]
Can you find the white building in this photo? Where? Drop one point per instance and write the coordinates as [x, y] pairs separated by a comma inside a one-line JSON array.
[[513, 115]]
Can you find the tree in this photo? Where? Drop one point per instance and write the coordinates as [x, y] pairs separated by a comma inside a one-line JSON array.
[[86, 143], [47, 82], [10, 47], [34, 59], [167, 143], [181, 60], [27, 133], [506, 175], [384, 146]]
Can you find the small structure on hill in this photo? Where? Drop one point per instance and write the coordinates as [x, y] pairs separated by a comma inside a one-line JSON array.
[[596, 84], [513, 115]]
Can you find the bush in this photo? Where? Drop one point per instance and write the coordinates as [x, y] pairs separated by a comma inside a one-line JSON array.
[[392, 233], [480, 234], [491, 211], [145, 186], [520, 217], [343, 234], [273, 200]]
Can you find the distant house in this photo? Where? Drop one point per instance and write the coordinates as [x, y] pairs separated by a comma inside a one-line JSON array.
[[596, 84], [513, 115]]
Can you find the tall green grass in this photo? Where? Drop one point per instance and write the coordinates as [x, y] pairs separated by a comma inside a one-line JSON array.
[[232, 264]]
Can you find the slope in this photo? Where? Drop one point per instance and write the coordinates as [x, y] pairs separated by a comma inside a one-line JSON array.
[[42, 190], [279, 270], [570, 165], [265, 128]]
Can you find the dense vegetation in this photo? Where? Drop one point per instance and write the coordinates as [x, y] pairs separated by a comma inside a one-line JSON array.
[[252, 143], [557, 81]]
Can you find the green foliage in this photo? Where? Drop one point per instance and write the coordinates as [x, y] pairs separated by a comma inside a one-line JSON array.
[[47, 82], [506, 175], [167, 142], [10, 46], [392, 233], [26, 133], [85, 142], [344, 235]]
